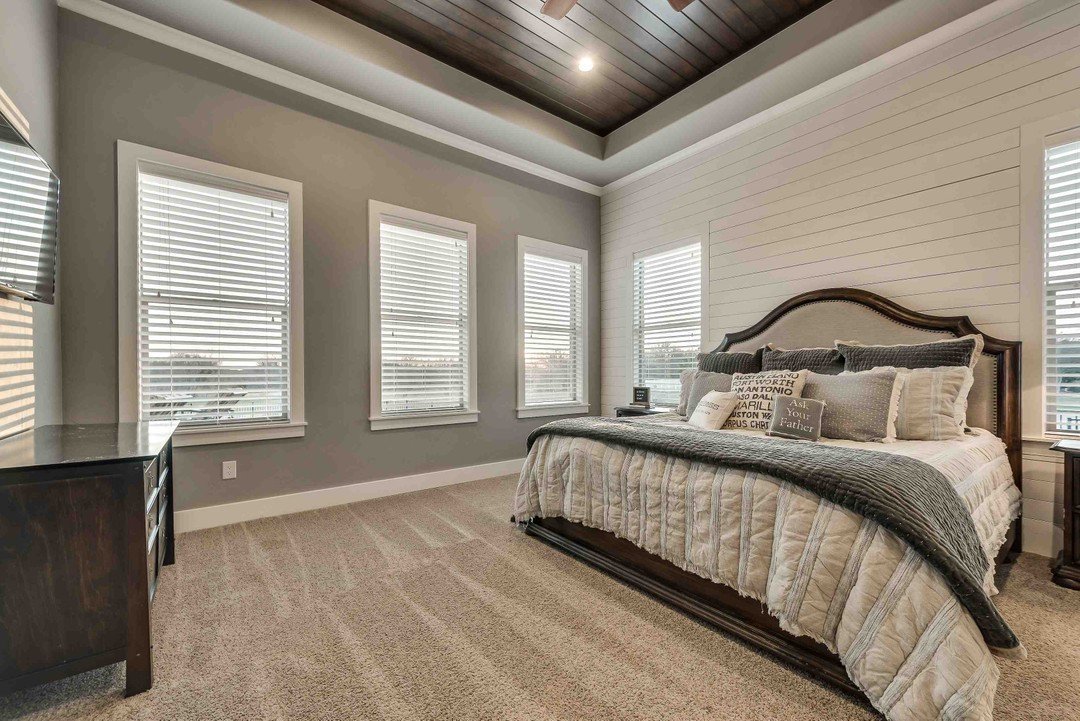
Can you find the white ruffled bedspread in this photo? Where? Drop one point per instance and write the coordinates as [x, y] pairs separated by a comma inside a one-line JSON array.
[[823, 571]]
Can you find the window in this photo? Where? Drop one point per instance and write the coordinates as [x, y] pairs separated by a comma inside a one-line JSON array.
[[552, 338], [1061, 243], [666, 329], [210, 298], [423, 327]]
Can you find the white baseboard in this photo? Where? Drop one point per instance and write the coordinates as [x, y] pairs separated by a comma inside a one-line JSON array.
[[212, 516]]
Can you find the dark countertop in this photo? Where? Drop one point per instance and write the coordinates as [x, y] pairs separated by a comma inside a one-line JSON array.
[[1068, 446], [92, 443]]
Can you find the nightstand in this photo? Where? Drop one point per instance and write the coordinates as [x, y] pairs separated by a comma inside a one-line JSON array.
[[625, 411], [1067, 571]]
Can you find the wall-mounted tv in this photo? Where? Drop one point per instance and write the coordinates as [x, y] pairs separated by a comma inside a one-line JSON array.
[[29, 197]]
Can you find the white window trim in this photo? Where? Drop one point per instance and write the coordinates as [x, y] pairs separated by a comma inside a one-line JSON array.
[[628, 302], [11, 112], [535, 246], [1034, 139], [129, 158], [376, 210]]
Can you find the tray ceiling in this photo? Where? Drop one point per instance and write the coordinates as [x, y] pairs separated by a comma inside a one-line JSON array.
[[643, 50]]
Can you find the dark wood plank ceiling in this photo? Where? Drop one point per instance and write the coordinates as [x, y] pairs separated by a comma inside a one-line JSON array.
[[644, 50]]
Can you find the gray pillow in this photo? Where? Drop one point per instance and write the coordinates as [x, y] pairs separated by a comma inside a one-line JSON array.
[[685, 379], [953, 352], [703, 383], [730, 362], [827, 361], [798, 418], [858, 406]]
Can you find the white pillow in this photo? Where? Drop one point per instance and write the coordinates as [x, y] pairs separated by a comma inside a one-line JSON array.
[[933, 403], [713, 409], [756, 392]]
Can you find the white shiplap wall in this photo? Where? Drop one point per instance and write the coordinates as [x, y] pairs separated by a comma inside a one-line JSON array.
[[905, 183]]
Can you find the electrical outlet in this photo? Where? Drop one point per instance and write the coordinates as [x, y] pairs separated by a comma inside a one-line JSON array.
[[228, 470]]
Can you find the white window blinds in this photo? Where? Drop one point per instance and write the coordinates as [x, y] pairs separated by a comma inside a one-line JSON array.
[[1061, 235], [213, 302], [666, 319], [424, 317], [554, 331]]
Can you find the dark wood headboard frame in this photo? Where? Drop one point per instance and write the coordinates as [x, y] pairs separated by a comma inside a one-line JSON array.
[[1007, 352]]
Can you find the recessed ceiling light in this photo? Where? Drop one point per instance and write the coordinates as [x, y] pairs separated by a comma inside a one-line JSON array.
[[585, 64]]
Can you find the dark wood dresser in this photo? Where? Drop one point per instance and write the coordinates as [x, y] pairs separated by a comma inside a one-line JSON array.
[[86, 523], [1067, 570]]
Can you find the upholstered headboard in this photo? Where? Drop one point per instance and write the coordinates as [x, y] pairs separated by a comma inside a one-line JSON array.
[[819, 318]]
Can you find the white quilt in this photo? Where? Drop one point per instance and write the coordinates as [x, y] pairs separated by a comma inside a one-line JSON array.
[[823, 571]]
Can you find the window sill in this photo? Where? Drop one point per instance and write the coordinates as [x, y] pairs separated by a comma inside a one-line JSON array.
[[559, 410], [1049, 438], [237, 434], [419, 420]]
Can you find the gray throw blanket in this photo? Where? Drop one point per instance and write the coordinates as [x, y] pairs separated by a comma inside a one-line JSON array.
[[904, 495]]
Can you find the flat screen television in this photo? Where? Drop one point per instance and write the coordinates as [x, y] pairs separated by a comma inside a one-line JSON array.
[[29, 198]]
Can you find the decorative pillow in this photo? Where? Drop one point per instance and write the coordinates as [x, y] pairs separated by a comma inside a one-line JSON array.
[[798, 418], [703, 383], [858, 406], [711, 412], [933, 404], [827, 361], [730, 361], [756, 392], [952, 352], [685, 379]]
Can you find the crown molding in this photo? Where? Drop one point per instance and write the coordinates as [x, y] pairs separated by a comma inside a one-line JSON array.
[[128, 21], [10, 111], [138, 25]]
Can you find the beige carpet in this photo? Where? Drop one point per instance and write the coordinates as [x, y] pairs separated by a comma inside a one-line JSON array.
[[432, 606]]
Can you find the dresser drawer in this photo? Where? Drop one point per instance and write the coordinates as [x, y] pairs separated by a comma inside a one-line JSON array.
[[150, 478], [151, 520], [162, 500], [161, 547], [163, 462], [151, 567]]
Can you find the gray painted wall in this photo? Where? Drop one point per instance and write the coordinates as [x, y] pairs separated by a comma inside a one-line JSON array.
[[116, 86], [30, 77]]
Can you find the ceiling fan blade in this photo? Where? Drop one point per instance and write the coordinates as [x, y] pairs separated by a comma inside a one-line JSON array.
[[678, 5], [557, 8]]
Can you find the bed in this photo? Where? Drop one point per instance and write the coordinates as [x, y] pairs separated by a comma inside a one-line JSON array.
[[786, 569]]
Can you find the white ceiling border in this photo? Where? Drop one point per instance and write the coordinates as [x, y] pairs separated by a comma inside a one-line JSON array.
[[185, 42]]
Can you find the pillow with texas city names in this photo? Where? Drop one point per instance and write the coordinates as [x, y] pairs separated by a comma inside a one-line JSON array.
[[756, 392]]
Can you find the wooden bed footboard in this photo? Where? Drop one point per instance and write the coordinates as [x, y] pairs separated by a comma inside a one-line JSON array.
[[714, 603], [700, 598]]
